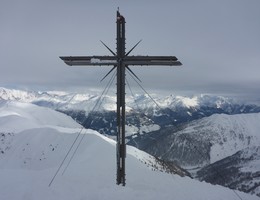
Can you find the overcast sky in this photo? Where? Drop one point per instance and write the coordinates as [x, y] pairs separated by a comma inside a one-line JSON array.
[[218, 43]]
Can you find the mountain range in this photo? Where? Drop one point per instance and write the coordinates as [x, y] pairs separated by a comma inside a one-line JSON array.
[[214, 138], [143, 113], [34, 141]]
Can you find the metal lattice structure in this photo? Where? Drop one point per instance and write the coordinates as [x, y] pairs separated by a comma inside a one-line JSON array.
[[120, 61]]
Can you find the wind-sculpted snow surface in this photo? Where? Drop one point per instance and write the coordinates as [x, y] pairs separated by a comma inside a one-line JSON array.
[[33, 153]]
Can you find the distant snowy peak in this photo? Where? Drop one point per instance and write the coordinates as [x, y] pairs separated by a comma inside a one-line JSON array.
[[19, 95], [196, 101], [59, 100], [173, 101], [76, 101]]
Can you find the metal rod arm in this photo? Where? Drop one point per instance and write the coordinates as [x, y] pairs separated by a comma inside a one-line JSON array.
[[152, 60], [89, 60]]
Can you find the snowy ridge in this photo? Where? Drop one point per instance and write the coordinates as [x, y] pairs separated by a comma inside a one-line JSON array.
[[31, 156], [227, 133], [24, 120], [28, 116]]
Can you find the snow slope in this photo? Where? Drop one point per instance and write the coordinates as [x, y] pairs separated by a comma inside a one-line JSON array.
[[239, 171], [16, 116], [31, 155]]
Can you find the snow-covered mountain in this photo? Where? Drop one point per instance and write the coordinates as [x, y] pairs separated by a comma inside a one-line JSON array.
[[17, 117], [31, 154], [177, 131], [58, 100], [211, 139], [209, 143], [143, 115], [61, 100]]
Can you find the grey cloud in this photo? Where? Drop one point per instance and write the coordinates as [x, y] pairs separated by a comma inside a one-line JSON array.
[[218, 43]]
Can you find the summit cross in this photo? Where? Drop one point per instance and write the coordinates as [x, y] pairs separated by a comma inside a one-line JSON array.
[[120, 61]]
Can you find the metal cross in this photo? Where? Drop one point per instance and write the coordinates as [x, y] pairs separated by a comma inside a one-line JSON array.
[[121, 60]]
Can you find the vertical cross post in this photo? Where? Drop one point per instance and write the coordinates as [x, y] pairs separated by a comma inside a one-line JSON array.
[[121, 147]]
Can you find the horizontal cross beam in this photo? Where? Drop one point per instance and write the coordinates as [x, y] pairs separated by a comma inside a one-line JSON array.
[[89, 60], [128, 60]]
